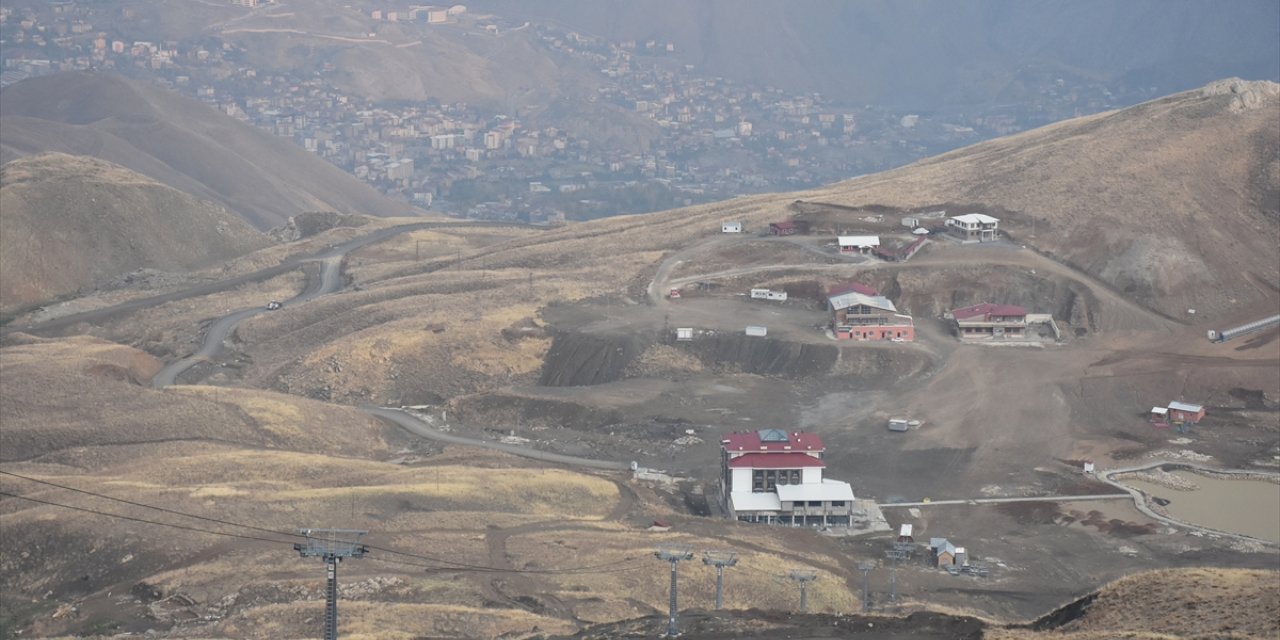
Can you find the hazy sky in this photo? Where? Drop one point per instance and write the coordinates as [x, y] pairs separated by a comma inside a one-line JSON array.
[[926, 53]]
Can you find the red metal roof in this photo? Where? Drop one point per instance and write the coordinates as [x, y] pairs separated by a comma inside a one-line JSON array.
[[851, 287], [987, 309], [786, 224], [751, 441], [788, 460]]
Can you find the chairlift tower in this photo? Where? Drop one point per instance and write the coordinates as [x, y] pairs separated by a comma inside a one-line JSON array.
[[673, 555], [897, 553], [804, 577], [866, 568], [720, 559], [331, 546]]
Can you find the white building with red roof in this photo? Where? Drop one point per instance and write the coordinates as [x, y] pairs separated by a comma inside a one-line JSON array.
[[986, 321], [775, 476]]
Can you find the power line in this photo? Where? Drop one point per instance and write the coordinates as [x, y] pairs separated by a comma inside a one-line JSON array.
[[450, 564]]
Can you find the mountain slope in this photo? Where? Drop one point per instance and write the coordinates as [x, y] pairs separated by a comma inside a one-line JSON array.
[[71, 222], [179, 142], [1175, 202]]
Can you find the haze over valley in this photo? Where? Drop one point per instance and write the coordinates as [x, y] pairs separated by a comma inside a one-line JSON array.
[[853, 319]]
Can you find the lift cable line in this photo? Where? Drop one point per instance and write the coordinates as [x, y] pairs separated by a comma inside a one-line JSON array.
[[447, 564], [149, 506], [141, 520]]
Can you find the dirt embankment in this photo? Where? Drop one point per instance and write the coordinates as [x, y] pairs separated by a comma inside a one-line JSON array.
[[519, 412], [580, 359], [739, 353], [755, 623]]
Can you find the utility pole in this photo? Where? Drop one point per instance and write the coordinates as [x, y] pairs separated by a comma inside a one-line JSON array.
[[331, 545], [720, 559], [804, 577], [865, 568], [673, 555]]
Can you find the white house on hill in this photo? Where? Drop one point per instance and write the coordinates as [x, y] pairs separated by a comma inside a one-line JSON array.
[[774, 476]]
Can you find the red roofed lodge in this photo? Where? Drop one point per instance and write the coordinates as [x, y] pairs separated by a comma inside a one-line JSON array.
[[775, 476], [987, 321]]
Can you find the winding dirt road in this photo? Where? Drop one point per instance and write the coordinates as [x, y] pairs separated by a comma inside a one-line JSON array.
[[329, 281]]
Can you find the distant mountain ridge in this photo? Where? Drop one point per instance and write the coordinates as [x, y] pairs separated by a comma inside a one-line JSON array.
[[179, 142], [69, 223]]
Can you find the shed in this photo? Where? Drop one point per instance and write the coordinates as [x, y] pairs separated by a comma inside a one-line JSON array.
[[850, 244], [904, 533], [684, 334], [1159, 416], [898, 424], [1184, 412], [757, 331], [784, 228], [731, 227]]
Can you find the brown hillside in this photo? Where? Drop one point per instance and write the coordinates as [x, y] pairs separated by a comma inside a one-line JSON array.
[[71, 222], [1174, 603], [179, 142], [1176, 202]]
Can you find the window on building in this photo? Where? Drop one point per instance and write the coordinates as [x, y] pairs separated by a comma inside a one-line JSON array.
[[837, 503], [815, 503], [795, 476], [757, 481]]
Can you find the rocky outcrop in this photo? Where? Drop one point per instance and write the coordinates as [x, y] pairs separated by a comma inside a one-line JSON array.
[[1246, 94]]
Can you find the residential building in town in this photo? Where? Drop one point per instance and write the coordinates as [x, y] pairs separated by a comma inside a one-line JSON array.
[[859, 312], [974, 227], [775, 476], [986, 321]]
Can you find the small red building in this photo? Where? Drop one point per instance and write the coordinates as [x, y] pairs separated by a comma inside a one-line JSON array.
[[1185, 413], [787, 228]]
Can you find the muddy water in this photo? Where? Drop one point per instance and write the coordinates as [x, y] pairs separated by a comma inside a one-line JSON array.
[[1248, 507]]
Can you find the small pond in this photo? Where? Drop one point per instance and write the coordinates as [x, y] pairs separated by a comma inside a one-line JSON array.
[[1244, 506]]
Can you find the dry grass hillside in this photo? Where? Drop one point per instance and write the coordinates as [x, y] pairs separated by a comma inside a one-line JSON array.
[[83, 392], [69, 223], [1175, 202], [181, 143], [1177, 603]]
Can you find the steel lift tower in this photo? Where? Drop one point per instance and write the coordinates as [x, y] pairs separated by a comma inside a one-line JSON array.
[[804, 577], [673, 555], [720, 559], [331, 545]]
